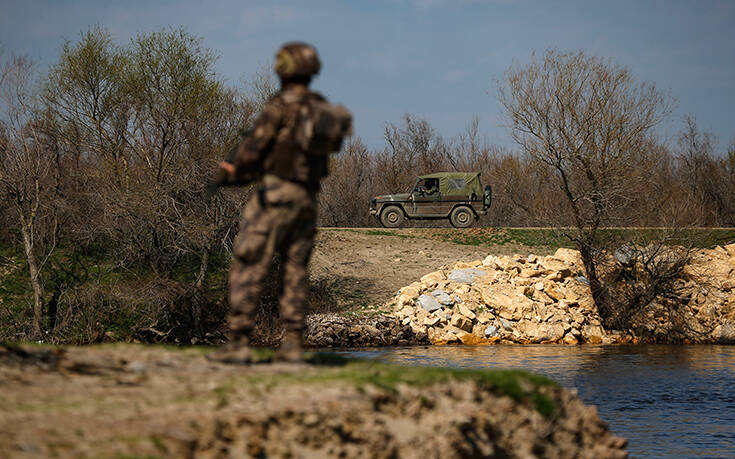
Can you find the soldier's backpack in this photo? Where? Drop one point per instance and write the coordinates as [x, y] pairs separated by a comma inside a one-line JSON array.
[[323, 126]]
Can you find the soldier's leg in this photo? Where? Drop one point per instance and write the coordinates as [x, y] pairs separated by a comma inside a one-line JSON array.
[[253, 250], [246, 285], [295, 288], [295, 283]]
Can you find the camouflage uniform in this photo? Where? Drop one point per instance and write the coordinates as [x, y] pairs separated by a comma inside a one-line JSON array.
[[280, 217]]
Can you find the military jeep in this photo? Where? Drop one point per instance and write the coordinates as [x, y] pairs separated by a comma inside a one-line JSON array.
[[458, 196]]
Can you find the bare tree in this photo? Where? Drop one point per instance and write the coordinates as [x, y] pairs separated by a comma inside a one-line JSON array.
[[589, 123], [261, 87], [705, 176], [28, 173], [347, 191]]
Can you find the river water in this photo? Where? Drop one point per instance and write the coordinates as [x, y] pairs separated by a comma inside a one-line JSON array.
[[669, 401]]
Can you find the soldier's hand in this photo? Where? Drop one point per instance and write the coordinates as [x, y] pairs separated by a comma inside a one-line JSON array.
[[228, 167]]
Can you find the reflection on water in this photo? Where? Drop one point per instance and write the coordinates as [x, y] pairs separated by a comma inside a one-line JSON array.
[[669, 401]]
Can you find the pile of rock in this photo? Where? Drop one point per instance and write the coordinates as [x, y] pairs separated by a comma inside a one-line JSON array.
[[333, 330], [541, 300]]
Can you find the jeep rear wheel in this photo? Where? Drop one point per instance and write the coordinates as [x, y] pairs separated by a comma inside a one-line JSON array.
[[462, 217], [391, 217]]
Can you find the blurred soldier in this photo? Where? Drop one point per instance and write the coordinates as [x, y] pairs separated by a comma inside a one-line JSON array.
[[286, 152]]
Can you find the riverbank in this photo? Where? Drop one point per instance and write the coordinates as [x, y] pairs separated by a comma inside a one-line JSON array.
[[126, 400]]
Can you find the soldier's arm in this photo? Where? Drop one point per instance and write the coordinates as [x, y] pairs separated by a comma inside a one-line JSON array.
[[252, 149]]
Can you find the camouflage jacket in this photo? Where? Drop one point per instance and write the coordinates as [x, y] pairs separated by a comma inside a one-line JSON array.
[[280, 140]]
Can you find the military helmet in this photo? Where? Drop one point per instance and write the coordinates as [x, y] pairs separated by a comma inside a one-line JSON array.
[[297, 60]]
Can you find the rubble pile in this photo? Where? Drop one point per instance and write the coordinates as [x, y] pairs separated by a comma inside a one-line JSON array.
[[547, 299]]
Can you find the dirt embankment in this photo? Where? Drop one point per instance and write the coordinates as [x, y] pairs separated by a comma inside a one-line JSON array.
[[368, 266], [135, 401]]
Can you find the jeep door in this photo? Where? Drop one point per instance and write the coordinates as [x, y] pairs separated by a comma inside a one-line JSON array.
[[426, 199]]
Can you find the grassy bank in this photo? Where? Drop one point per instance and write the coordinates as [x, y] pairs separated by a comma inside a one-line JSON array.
[[554, 238], [323, 369]]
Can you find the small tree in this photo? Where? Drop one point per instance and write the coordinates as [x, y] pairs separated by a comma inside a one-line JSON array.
[[28, 173], [588, 123]]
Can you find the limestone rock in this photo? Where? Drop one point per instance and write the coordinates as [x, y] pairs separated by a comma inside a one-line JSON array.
[[569, 256], [593, 333], [484, 317], [489, 261], [431, 321], [432, 279], [442, 297], [469, 339], [507, 264], [429, 303], [570, 339], [725, 333], [540, 333], [405, 301], [554, 291], [412, 290], [532, 272], [491, 331], [467, 264], [505, 324], [506, 301], [465, 311], [465, 276], [461, 322], [555, 265]]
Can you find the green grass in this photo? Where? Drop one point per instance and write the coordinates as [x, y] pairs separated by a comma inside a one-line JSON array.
[[554, 239], [502, 236], [373, 232]]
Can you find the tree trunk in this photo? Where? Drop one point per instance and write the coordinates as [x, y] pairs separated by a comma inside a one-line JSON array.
[[35, 280], [596, 288], [203, 269]]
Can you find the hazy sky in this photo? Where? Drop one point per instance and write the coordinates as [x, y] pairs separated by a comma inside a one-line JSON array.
[[437, 59]]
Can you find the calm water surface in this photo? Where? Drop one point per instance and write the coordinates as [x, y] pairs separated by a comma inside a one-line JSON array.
[[669, 401]]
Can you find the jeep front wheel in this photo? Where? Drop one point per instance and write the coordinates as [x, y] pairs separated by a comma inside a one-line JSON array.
[[462, 217], [391, 217]]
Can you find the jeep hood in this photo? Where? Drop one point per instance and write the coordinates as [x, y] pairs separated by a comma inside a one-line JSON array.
[[399, 197]]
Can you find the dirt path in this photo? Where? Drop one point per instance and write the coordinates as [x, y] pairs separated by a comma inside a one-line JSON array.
[[368, 266]]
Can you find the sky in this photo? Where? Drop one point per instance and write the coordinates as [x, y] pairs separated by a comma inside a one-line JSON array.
[[437, 59]]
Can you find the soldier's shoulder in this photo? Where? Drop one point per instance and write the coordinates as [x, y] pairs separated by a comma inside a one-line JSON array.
[[275, 106], [315, 95], [276, 99]]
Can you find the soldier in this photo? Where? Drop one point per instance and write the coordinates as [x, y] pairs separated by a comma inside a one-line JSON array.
[[287, 151]]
